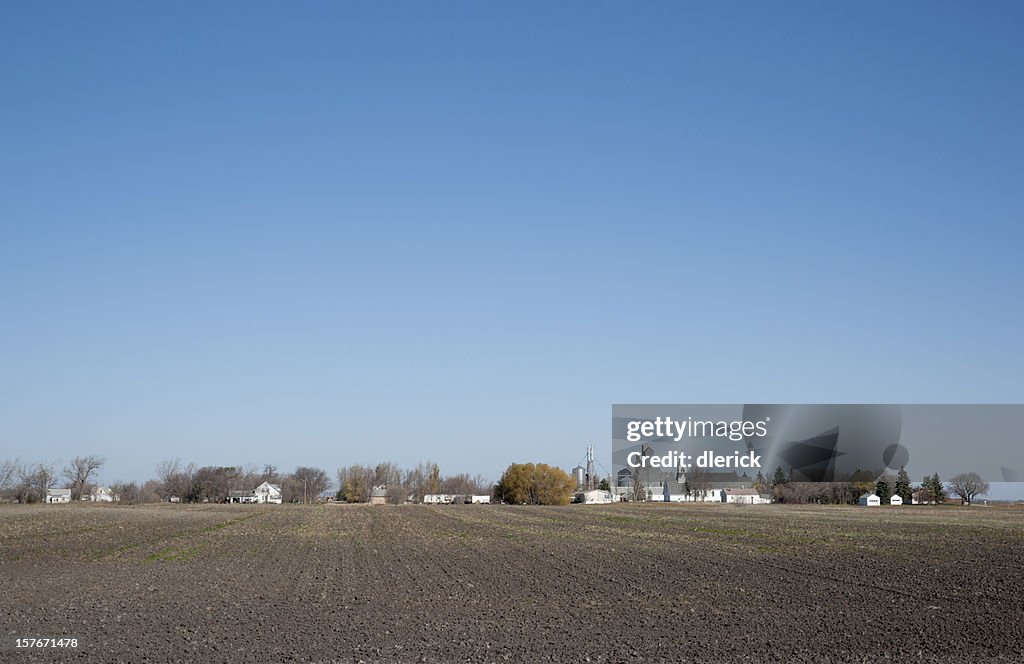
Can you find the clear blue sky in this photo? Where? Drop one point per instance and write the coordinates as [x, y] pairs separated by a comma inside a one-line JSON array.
[[329, 233]]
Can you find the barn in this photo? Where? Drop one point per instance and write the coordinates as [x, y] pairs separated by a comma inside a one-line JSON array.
[[379, 495]]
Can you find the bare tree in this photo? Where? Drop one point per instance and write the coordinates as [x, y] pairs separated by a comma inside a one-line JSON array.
[[464, 484], [211, 484], [355, 483], [700, 482], [387, 474], [35, 481], [636, 484], [166, 472], [434, 479], [126, 493], [150, 492], [246, 478], [397, 494], [968, 485], [306, 484], [78, 472], [10, 469], [423, 479], [174, 480]]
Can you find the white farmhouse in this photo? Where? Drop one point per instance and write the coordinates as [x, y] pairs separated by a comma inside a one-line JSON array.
[[264, 493], [870, 500], [58, 496], [101, 494], [896, 499], [268, 493]]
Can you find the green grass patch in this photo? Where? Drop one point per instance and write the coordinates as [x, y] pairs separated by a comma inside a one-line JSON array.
[[171, 553]]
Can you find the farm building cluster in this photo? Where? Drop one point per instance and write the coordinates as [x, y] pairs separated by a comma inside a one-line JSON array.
[[452, 499], [96, 494], [669, 485], [263, 494], [676, 488], [872, 499]]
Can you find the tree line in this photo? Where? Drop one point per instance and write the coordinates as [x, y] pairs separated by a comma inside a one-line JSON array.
[[791, 488], [356, 482], [521, 483], [189, 483], [29, 482]]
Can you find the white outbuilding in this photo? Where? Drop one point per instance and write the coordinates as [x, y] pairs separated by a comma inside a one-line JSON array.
[[58, 496], [741, 496], [870, 500], [896, 499], [595, 497]]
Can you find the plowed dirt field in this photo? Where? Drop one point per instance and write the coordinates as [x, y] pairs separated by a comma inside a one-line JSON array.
[[474, 583]]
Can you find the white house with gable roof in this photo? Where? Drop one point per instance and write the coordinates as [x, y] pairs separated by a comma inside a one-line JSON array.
[[268, 493]]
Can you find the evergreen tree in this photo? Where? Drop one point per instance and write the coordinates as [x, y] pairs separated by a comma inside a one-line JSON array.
[[932, 484], [938, 491], [882, 490], [779, 477], [903, 489]]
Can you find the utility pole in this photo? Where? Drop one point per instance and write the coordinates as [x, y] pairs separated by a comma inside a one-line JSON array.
[[304, 500]]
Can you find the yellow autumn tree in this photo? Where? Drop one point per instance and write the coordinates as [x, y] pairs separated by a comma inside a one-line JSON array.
[[535, 484]]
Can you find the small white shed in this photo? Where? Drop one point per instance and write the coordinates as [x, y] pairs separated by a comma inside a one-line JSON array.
[[896, 499], [870, 500]]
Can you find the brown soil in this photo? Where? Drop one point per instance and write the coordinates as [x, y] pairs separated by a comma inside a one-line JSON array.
[[493, 584]]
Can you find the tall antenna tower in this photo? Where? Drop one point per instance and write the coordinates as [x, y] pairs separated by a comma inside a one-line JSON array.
[[591, 471]]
